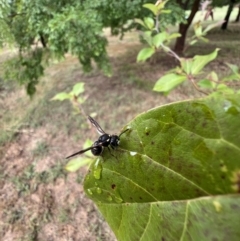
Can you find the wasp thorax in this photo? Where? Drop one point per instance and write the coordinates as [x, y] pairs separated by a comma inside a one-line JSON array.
[[104, 139], [114, 142]]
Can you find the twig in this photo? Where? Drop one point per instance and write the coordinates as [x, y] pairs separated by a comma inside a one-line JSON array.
[[196, 87], [75, 100], [170, 52]]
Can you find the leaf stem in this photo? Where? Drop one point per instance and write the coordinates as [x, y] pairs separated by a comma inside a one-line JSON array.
[[196, 87], [170, 52]]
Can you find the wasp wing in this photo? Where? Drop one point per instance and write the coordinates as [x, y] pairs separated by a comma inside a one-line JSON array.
[[96, 125]]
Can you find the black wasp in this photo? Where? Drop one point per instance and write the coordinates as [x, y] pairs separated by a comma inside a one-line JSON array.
[[105, 140]]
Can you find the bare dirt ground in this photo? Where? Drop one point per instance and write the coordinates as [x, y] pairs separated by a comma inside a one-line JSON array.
[[39, 200]]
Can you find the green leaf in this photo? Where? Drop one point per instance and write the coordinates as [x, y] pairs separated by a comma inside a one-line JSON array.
[[81, 100], [147, 35], [145, 53], [232, 77], [175, 175], [174, 35], [161, 5], [159, 38], [149, 23], [62, 96], [198, 29], [87, 144], [76, 163], [200, 219], [205, 40], [186, 65], [206, 83], [78, 89], [193, 42], [167, 11], [210, 82], [211, 26], [136, 20], [151, 7], [168, 82], [234, 68], [199, 61], [213, 76]]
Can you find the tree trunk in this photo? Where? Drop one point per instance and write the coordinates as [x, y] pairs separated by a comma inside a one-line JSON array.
[[230, 8], [238, 16], [183, 28]]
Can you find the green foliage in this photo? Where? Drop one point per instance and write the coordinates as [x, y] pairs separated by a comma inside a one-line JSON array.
[[74, 27], [200, 33], [74, 93], [177, 170], [189, 69], [145, 53], [42, 30], [27, 69], [73, 96], [169, 82]]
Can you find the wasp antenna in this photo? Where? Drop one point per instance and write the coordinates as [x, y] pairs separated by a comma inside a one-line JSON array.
[[124, 131]]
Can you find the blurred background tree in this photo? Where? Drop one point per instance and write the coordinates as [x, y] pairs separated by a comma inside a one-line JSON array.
[[43, 29]]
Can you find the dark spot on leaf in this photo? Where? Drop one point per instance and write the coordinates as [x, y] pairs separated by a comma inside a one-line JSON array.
[[163, 239], [113, 186], [206, 233], [152, 142], [147, 133], [171, 158], [194, 218], [223, 177], [199, 193], [140, 198], [214, 239], [190, 224], [131, 198], [191, 166], [204, 210]]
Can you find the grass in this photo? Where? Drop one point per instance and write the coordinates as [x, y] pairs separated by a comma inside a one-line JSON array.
[[41, 149], [36, 135], [63, 216]]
